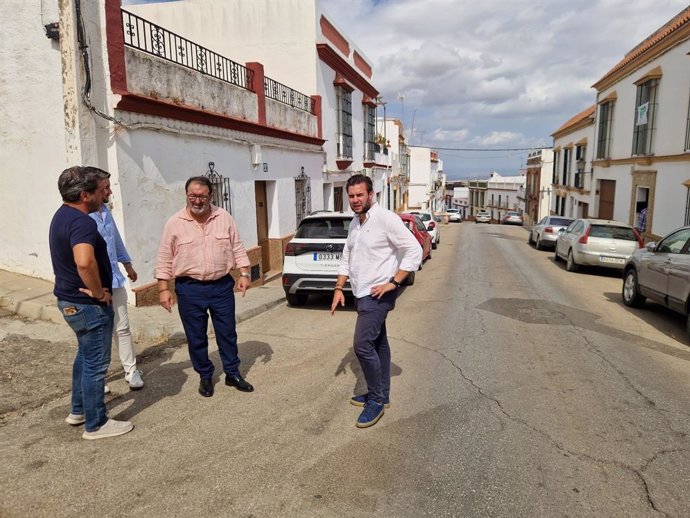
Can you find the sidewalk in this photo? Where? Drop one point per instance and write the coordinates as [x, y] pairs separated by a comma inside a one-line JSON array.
[[33, 298]]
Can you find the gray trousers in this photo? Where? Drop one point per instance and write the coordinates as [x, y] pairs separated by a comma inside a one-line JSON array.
[[371, 343]]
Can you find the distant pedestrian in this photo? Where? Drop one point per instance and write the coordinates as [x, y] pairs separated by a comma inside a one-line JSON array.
[[83, 283], [379, 254], [117, 252], [199, 247], [642, 221]]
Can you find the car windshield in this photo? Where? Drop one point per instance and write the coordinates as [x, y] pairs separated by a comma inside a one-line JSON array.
[[612, 232], [564, 222], [451, 210], [424, 217], [318, 228]]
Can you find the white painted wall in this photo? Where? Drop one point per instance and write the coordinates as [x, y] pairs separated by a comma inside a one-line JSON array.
[[153, 167], [32, 154], [420, 177]]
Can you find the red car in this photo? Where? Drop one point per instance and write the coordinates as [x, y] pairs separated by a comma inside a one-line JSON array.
[[416, 226]]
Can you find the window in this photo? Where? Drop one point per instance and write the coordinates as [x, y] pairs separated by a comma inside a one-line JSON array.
[[369, 132], [687, 207], [556, 158], [605, 124], [302, 196], [687, 131], [645, 108], [674, 243], [580, 154], [344, 140], [566, 165]]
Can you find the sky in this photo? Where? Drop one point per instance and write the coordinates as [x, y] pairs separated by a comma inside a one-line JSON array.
[[491, 74]]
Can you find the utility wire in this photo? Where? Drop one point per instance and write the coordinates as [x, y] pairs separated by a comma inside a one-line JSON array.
[[487, 149]]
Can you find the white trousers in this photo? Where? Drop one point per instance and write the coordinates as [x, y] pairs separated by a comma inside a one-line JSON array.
[[123, 335]]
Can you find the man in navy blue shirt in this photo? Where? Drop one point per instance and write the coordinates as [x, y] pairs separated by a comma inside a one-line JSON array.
[[83, 286]]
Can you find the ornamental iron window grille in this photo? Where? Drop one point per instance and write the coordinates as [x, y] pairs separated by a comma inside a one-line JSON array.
[[645, 109], [302, 196], [369, 133], [153, 39], [286, 95], [344, 112], [605, 125], [220, 195]]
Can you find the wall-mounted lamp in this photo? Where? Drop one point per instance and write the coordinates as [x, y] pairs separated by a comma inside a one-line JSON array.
[[256, 155], [580, 164], [52, 31]]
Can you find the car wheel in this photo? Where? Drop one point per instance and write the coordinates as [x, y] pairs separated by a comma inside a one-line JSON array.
[[297, 299], [530, 240], [434, 246], [409, 280], [539, 245], [570, 263], [631, 290], [687, 325], [556, 258]]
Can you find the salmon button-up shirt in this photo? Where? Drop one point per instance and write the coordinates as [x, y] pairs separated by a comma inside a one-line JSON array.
[[205, 252]]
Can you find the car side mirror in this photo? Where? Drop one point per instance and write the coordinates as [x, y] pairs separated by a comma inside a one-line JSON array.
[[561, 231], [650, 246]]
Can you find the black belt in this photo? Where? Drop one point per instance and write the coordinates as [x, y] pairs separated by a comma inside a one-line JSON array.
[[190, 280]]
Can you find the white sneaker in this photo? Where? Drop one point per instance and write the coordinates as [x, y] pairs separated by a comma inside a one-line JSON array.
[[111, 428], [75, 419], [106, 389], [134, 379]]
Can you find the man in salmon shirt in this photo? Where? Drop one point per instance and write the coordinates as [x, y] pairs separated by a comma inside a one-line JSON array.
[[199, 247]]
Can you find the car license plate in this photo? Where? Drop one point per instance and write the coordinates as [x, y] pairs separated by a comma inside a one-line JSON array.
[[613, 260], [327, 256]]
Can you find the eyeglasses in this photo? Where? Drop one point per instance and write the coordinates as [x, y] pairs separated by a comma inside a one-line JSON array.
[[200, 197]]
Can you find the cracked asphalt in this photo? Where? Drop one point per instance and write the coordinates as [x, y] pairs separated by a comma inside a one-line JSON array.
[[518, 389]]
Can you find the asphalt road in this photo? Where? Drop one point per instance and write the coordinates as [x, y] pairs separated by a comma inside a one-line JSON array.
[[518, 390]]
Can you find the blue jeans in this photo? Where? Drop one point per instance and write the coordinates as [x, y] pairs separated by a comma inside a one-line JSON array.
[[195, 300], [371, 343], [93, 325]]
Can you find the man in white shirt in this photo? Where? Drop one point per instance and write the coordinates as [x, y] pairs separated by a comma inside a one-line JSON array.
[[379, 254]]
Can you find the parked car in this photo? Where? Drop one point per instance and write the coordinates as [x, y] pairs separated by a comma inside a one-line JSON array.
[[482, 217], [596, 242], [512, 218], [454, 215], [546, 231], [661, 272], [415, 225], [431, 222], [313, 255]]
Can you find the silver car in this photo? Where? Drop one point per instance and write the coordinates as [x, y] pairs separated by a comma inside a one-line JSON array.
[[661, 272], [545, 232], [596, 242]]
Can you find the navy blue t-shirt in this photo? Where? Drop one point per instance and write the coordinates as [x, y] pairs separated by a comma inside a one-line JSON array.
[[71, 227]]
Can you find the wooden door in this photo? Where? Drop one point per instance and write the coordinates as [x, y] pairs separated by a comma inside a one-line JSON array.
[[607, 195], [262, 225]]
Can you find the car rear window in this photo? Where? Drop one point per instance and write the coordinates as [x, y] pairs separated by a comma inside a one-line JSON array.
[[323, 228], [612, 232], [564, 222]]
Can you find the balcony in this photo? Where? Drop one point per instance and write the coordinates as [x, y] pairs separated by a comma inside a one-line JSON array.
[[165, 66]]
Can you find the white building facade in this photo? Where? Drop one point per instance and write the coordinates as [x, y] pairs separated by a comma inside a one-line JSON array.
[[503, 194], [642, 155]]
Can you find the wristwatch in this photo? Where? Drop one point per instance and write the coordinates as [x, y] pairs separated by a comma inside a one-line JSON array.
[[393, 281], [245, 274]]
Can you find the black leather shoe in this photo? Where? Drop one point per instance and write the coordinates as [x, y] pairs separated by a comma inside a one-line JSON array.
[[239, 383], [206, 388]]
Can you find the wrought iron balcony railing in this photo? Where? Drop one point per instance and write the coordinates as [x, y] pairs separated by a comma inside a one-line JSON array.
[[153, 39], [284, 94]]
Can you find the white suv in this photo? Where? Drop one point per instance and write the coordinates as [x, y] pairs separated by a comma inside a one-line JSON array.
[[313, 255]]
